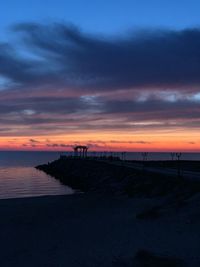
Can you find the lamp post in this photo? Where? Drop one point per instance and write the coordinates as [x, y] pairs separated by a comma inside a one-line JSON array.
[[172, 155], [123, 156], [144, 157], [178, 156]]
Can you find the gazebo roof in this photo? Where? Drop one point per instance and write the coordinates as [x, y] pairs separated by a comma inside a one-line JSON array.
[[81, 147]]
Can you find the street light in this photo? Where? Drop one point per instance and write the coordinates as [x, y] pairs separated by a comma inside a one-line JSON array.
[[172, 155], [178, 156]]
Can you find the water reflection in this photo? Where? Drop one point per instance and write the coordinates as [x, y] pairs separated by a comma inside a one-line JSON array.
[[19, 178]]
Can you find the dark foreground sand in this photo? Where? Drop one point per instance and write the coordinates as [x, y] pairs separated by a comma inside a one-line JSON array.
[[91, 230]]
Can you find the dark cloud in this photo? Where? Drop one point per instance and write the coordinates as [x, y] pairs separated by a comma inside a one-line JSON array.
[[34, 141], [64, 115], [154, 109], [28, 106], [129, 142], [58, 145], [65, 56]]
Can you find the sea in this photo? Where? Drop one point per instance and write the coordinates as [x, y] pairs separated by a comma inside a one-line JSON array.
[[19, 178]]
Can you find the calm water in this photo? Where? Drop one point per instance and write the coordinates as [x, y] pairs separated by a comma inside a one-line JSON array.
[[19, 178]]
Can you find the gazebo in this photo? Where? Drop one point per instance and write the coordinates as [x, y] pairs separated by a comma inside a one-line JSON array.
[[80, 151]]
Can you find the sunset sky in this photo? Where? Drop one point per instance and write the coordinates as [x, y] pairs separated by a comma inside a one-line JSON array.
[[119, 75]]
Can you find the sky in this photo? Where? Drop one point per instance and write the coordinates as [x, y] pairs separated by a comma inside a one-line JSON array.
[[113, 75]]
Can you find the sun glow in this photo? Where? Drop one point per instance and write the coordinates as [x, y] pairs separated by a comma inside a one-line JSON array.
[[110, 141]]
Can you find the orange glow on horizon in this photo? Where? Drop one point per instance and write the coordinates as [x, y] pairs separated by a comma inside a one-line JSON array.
[[120, 141]]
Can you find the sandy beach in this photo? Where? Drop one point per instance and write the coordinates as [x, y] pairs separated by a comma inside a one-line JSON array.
[[94, 230]]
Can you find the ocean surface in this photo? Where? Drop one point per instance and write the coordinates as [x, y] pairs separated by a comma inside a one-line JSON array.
[[19, 178]]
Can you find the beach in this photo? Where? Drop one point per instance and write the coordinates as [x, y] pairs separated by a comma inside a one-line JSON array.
[[94, 230]]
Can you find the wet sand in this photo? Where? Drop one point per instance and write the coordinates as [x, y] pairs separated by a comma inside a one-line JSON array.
[[93, 230]]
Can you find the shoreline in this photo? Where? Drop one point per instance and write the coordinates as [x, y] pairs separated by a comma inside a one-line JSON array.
[[39, 196]]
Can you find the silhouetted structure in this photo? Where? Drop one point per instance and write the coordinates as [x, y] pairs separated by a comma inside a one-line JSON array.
[[144, 156], [80, 151], [123, 155], [178, 156], [172, 155]]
